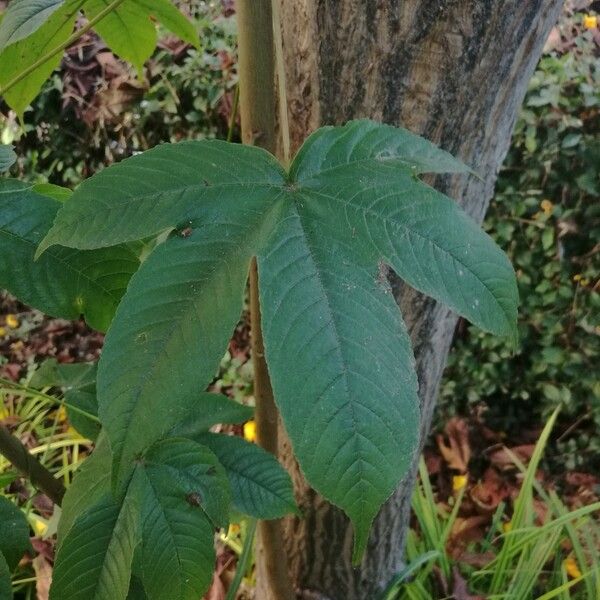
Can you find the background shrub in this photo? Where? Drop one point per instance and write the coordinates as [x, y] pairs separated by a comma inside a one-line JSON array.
[[546, 214]]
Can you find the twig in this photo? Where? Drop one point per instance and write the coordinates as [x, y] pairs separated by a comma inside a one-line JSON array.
[[30, 467]]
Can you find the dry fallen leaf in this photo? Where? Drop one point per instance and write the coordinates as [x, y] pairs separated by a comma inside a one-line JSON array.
[[454, 444], [503, 459], [460, 590], [43, 574]]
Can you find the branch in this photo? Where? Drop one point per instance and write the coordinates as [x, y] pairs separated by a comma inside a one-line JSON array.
[[30, 467], [258, 106]]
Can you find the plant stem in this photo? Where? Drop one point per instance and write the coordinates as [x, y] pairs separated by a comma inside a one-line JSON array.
[[243, 560], [60, 48], [30, 467], [284, 125], [258, 107], [234, 111]]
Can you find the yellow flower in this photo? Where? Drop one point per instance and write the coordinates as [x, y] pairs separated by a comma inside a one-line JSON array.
[[590, 21], [547, 207], [61, 415], [11, 321], [39, 525], [577, 277], [571, 567], [459, 482], [506, 527], [2, 332], [74, 434], [250, 431]]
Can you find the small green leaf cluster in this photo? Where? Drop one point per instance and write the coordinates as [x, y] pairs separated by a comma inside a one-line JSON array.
[[337, 348], [155, 531], [546, 214], [33, 34], [63, 139]]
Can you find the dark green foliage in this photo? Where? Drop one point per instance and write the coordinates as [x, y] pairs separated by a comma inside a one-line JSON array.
[[14, 542], [259, 487], [64, 283], [14, 533]]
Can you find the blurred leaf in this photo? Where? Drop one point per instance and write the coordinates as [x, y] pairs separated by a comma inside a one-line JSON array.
[[26, 52], [127, 30], [7, 157], [24, 17], [5, 583], [165, 12]]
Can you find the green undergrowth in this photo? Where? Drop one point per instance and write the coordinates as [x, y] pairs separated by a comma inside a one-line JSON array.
[[522, 557]]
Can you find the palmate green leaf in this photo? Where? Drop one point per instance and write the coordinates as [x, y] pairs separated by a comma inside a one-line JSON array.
[[7, 157], [24, 53], [14, 533], [189, 291], [94, 559], [260, 486], [337, 349], [164, 188], [432, 244], [23, 17], [367, 146], [63, 283], [167, 513]]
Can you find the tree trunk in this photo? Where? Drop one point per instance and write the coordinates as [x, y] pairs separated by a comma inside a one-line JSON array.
[[454, 71]]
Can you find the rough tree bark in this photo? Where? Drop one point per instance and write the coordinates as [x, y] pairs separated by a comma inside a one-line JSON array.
[[456, 72]]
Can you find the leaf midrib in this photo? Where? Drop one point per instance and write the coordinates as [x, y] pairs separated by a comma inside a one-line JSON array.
[[169, 527], [339, 352]]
